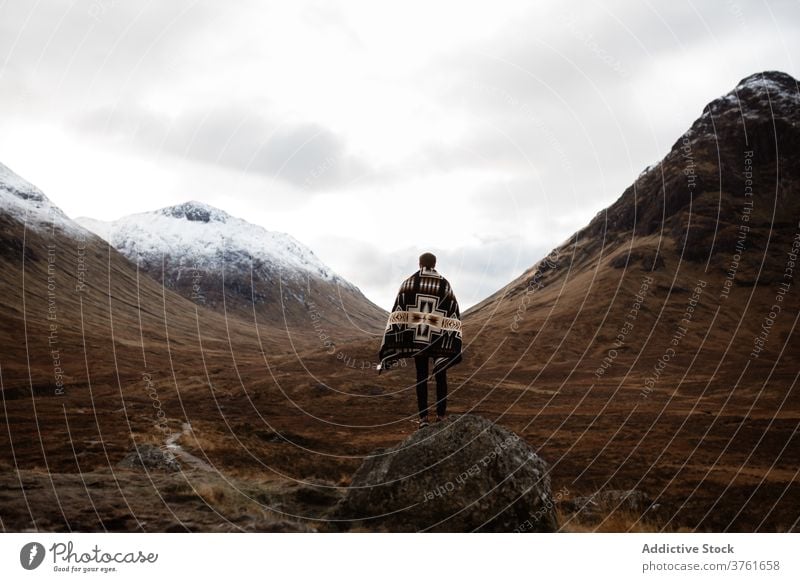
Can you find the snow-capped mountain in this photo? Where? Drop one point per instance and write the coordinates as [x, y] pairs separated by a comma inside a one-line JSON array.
[[199, 251], [207, 256], [207, 237], [29, 205]]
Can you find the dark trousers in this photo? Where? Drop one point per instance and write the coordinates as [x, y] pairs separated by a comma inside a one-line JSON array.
[[422, 388]]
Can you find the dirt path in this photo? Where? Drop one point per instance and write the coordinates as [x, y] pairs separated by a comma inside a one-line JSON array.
[[187, 459]]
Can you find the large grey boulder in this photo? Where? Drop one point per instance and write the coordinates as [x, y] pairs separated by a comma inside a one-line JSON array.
[[463, 474]]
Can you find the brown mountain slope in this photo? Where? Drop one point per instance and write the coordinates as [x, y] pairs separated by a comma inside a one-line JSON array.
[[693, 217], [656, 348]]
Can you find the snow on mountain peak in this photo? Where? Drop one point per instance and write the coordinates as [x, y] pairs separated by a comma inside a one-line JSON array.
[[194, 233], [28, 204], [776, 82], [14, 184], [195, 211], [765, 95]]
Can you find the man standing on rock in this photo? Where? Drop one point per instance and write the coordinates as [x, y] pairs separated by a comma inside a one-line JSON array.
[[425, 323]]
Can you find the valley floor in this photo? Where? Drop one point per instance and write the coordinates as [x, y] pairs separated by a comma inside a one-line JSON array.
[[275, 450]]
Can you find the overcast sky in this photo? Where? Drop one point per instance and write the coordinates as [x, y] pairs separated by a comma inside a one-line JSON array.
[[486, 132]]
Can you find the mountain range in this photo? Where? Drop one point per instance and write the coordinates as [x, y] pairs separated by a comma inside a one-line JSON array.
[[200, 251]]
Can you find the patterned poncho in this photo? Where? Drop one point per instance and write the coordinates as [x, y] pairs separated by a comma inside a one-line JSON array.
[[424, 321]]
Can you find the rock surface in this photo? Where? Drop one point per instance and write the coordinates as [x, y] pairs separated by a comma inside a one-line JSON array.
[[151, 457], [464, 474]]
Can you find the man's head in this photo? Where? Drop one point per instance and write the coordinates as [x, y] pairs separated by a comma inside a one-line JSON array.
[[427, 260]]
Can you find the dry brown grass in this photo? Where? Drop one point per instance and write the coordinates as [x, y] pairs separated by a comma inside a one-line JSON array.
[[263, 505], [608, 518]]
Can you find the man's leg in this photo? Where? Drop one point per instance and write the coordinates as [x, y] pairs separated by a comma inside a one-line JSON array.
[[441, 393], [422, 386]]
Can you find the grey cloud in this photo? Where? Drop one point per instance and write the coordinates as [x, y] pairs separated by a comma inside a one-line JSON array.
[[92, 62], [577, 78], [559, 110], [306, 155]]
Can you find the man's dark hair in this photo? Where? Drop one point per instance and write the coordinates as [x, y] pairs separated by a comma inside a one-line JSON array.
[[427, 260]]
